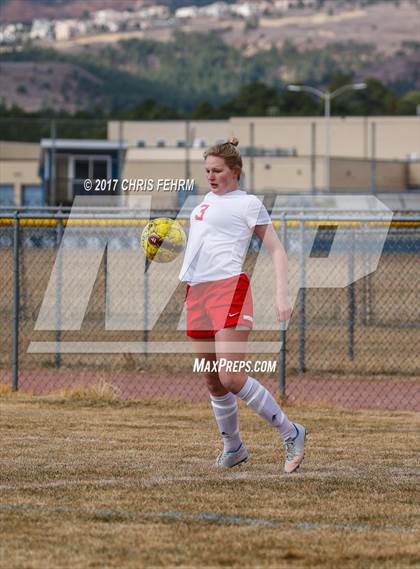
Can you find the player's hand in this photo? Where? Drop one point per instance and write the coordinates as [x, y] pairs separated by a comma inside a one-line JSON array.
[[283, 308]]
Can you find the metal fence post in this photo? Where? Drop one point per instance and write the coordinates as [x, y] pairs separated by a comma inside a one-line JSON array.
[[58, 293], [351, 297], [282, 354], [107, 304], [302, 298], [364, 282], [146, 306], [53, 168], [16, 302]]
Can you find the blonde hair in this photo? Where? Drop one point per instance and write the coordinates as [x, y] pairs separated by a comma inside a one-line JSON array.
[[228, 151]]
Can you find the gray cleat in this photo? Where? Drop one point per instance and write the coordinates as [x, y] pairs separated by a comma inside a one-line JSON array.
[[230, 459], [294, 449]]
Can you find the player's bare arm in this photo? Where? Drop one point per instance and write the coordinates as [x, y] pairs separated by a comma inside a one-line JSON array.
[[278, 255]]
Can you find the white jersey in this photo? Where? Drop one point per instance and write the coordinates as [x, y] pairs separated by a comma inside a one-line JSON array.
[[221, 228]]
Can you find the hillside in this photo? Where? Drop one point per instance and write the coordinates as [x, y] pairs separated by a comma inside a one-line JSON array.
[[64, 86], [182, 72], [27, 10], [194, 65], [385, 25]]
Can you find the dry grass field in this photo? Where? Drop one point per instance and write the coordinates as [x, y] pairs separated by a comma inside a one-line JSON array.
[[87, 480]]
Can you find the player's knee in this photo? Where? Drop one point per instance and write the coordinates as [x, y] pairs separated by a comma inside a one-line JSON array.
[[214, 385], [231, 381]]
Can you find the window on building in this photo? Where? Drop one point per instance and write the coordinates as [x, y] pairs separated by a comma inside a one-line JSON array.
[[33, 196], [7, 195], [89, 168], [161, 143], [180, 143], [141, 143], [100, 169], [81, 169]]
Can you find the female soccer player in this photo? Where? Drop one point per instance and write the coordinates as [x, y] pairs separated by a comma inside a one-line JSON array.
[[219, 302]]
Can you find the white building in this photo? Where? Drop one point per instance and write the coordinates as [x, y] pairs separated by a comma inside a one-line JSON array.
[[8, 34], [247, 9], [108, 19], [216, 10], [152, 12], [66, 29], [41, 29], [186, 12], [284, 5]]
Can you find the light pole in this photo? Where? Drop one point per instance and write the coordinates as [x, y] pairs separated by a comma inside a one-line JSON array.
[[327, 97]]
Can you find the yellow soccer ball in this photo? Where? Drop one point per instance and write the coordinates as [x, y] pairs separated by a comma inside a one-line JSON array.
[[163, 239]]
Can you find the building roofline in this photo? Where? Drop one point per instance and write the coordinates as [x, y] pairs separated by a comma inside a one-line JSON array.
[[82, 144]]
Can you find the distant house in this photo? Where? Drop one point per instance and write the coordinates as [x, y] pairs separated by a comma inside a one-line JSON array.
[[216, 10], [65, 29], [41, 29], [186, 12]]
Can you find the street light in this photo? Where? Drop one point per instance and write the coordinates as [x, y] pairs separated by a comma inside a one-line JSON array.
[[327, 96]]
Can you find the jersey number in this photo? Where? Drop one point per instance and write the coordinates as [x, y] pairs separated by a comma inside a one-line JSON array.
[[203, 209]]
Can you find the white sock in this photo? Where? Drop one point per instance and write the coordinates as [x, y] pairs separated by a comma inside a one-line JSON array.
[[262, 402], [225, 409]]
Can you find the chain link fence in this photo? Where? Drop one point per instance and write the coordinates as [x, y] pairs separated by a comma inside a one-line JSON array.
[[354, 345]]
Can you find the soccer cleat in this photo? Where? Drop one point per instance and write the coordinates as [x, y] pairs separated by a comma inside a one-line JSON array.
[[230, 459], [294, 449]]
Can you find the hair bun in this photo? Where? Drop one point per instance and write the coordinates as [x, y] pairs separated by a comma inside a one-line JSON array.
[[234, 141]]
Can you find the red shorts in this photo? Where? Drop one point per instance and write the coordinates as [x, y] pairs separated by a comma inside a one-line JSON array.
[[219, 304]]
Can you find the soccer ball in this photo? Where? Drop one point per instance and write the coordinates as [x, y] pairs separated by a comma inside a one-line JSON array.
[[163, 239]]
